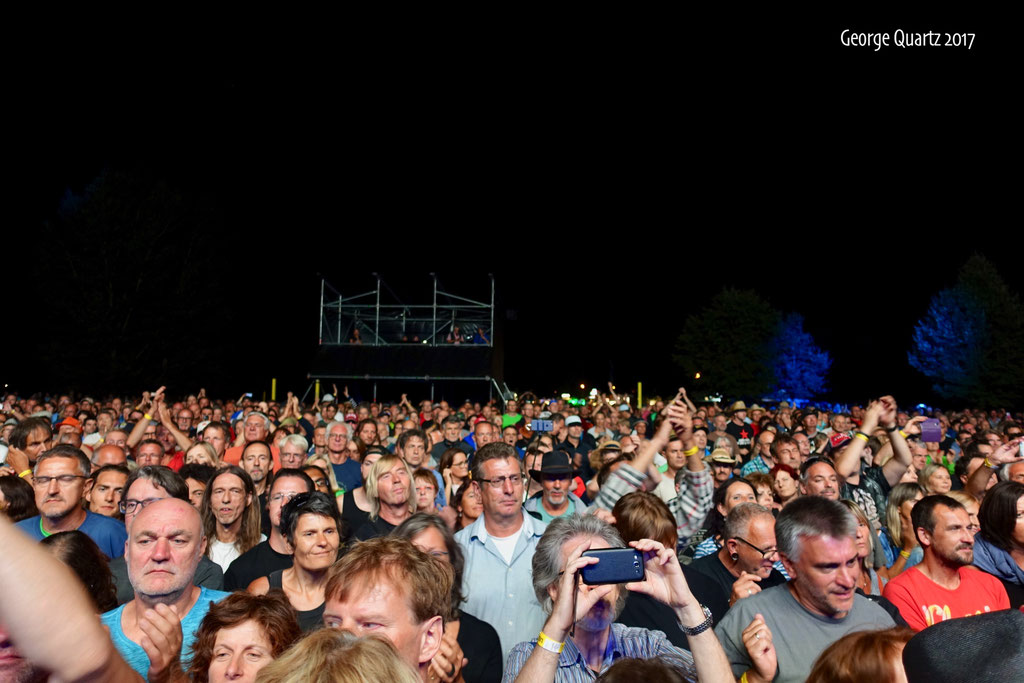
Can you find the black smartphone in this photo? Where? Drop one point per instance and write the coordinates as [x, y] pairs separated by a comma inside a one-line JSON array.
[[615, 565]]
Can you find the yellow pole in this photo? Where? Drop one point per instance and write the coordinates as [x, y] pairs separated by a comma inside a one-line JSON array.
[[273, 388], [639, 394], [316, 391]]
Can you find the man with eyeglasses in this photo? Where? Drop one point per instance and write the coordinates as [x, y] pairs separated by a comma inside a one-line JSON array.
[[144, 486], [499, 548], [743, 566], [59, 479], [272, 554]]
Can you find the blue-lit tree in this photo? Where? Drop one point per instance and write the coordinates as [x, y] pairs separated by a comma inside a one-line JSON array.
[[800, 366], [949, 343], [971, 342]]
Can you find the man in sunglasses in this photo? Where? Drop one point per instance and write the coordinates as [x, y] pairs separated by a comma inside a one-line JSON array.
[[59, 479]]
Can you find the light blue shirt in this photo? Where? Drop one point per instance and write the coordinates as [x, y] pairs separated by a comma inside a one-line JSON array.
[[499, 592], [133, 653]]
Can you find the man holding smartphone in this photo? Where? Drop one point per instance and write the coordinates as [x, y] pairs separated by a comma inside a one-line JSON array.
[[580, 637]]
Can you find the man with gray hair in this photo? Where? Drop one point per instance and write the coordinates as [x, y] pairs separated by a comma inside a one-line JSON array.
[[257, 427], [573, 646], [777, 634], [59, 479], [165, 545]]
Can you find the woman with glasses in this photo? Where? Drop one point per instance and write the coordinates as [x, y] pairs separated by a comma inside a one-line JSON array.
[[743, 566], [477, 640], [311, 525]]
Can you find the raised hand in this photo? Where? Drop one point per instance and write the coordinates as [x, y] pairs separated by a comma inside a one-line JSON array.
[[161, 639], [663, 577], [562, 616], [757, 638], [744, 587]]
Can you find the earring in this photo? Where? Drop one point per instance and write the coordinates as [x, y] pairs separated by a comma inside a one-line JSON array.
[[735, 557]]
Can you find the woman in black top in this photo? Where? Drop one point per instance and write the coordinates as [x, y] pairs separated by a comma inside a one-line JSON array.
[[312, 527]]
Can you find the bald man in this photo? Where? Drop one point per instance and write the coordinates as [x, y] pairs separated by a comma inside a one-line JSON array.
[[165, 544], [108, 454]]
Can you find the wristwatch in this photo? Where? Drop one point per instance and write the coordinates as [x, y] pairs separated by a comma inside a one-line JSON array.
[[701, 627]]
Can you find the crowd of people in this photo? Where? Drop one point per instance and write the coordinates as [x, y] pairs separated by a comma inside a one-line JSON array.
[[199, 539]]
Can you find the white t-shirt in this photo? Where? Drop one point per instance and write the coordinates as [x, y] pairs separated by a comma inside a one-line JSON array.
[[225, 553], [506, 546]]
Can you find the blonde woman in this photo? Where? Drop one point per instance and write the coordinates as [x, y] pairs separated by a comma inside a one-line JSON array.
[[332, 656], [202, 453]]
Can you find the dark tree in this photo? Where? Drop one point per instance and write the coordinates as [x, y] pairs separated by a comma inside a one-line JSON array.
[[949, 342], [729, 344], [971, 342], [801, 367]]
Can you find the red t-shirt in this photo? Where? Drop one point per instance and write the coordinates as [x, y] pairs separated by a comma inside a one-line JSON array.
[[922, 602], [234, 454]]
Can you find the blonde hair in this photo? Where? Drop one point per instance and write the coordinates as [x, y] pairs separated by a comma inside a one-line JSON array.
[[211, 453], [328, 655], [376, 470]]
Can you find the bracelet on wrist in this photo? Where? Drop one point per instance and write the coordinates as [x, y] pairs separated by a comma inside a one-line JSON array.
[[25, 474], [861, 435], [550, 644], [891, 429], [690, 451], [904, 434], [905, 554], [147, 416], [989, 464]]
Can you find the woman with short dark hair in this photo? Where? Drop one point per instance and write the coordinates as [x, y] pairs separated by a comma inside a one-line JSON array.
[[312, 527]]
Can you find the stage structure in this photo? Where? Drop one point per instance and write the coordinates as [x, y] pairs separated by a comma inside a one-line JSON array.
[[375, 337]]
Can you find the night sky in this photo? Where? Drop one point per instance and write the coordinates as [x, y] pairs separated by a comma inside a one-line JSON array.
[[609, 205]]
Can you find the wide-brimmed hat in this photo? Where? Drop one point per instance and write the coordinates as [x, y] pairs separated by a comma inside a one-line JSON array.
[[723, 456], [737, 406], [555, 462]]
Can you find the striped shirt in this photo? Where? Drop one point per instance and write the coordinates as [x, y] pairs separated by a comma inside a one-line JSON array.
[[623, 641], [689, 507]]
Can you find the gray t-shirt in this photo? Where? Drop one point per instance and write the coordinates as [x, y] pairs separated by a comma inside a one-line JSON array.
[[799, 635]]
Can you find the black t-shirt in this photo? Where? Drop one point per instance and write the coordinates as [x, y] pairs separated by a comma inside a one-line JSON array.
[[643, 611], [374, 529], [744, 434], [712, 567], [352, 516], [481, 646], [258, 561]]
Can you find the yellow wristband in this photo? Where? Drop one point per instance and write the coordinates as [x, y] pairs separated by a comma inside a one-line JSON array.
[[690, 451], [862, 436], [25, 473], [148, 416], [904, 434], [989, 464], [905, 554], [549, 644]]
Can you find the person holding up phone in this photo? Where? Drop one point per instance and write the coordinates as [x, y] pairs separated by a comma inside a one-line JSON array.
[[580, 632]]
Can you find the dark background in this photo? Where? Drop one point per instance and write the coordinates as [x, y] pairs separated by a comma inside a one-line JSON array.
[[611, 180]]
